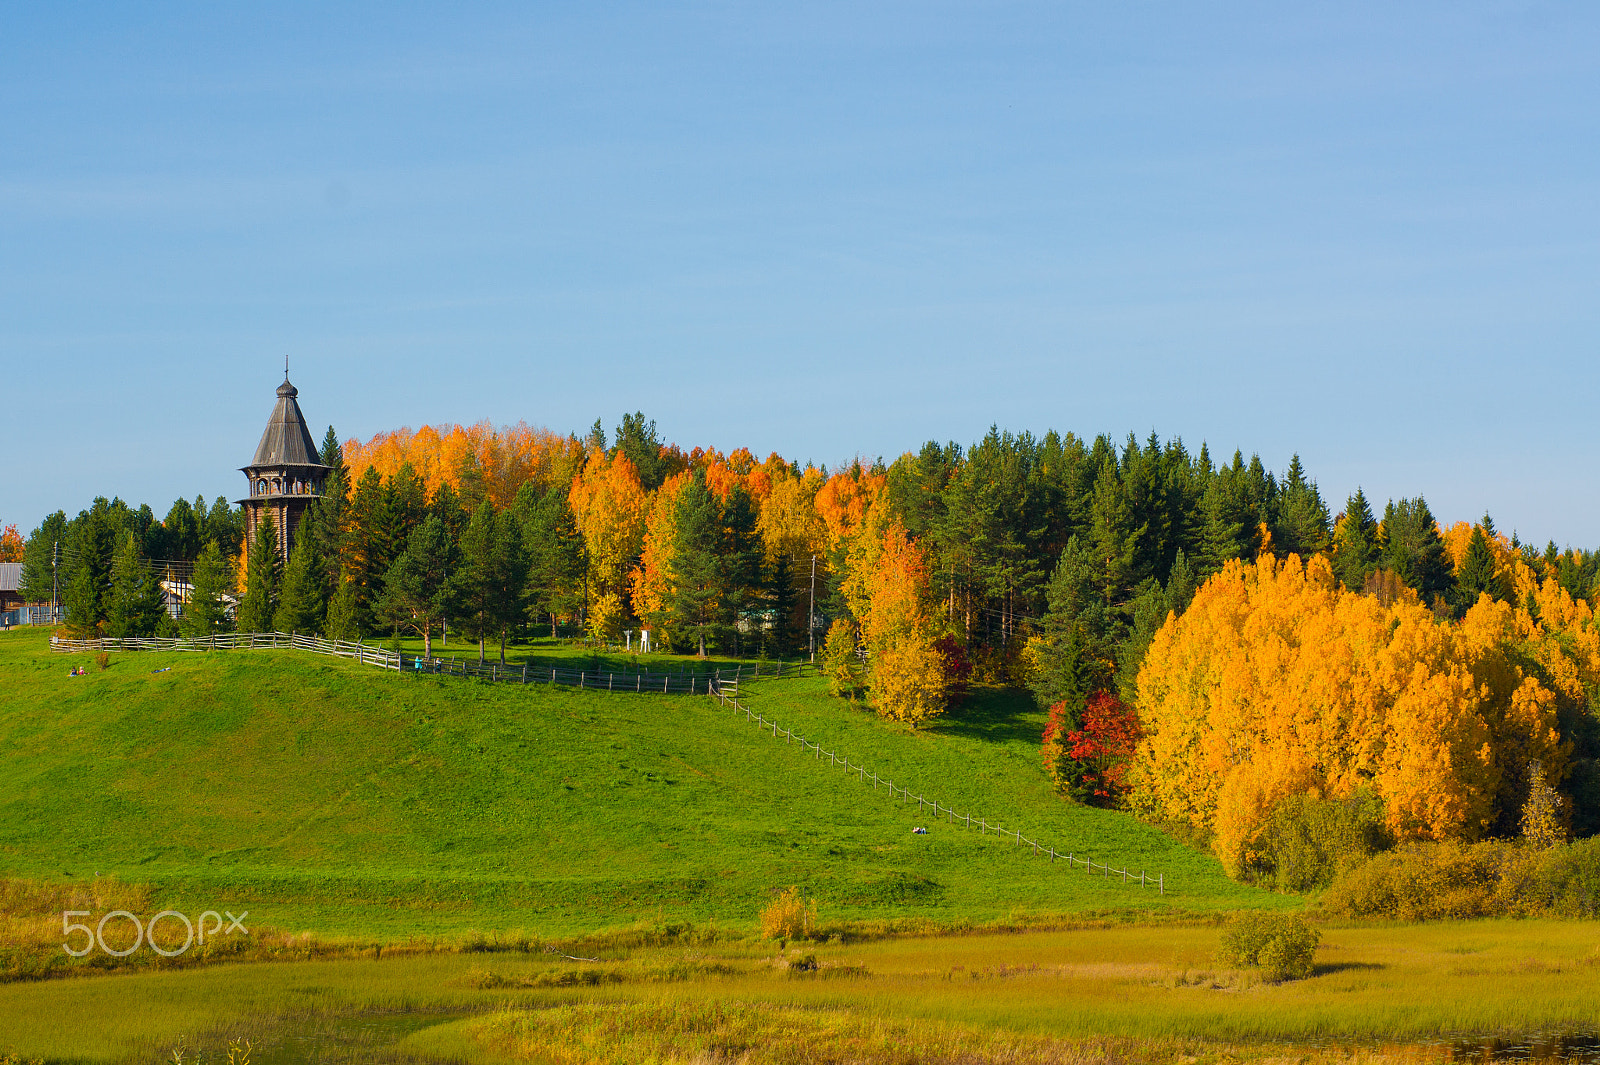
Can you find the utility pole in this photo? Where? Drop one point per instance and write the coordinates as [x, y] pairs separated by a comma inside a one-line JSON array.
[[811, 615], [55, 585]]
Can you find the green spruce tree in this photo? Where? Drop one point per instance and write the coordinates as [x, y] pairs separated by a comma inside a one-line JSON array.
[[82, 601], [263, 571], [473, 588], [417, 592], [1301, 523], [1413, 549], [1477, 573], [344, 613], [786, 632], [1355, 543], [205, 612], [696, 604], [136, 602], [301, 607], [555, 553]]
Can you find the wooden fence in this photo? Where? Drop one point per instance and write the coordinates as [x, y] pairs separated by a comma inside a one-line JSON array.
[[365, 653], [684, 681], [866, 776]]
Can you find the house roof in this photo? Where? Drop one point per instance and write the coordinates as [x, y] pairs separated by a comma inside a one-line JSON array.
[[10, 576], [287, 441]]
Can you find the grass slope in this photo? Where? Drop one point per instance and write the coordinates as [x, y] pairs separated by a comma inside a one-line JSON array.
[[348, 801]]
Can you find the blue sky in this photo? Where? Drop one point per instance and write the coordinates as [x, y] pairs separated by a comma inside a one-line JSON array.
[[1366, 233]]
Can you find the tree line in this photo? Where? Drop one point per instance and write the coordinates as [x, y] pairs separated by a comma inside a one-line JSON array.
[[1048, 560]]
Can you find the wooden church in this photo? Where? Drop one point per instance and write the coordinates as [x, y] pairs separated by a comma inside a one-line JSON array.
[[285, 476]]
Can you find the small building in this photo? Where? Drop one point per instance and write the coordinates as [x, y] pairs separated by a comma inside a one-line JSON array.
[[10, 586], [285, 476]]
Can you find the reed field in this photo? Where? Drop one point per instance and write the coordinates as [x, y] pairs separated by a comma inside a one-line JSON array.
[[1134, 994]]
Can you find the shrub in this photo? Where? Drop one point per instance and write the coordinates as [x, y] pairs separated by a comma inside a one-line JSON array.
[[1090, 763], [102, 660], [790, 916], [1430, 881], [957, 669], [1281, 945], [908, 681], [1308, 841], [1568, 881], [1542, 825], [839, 660]]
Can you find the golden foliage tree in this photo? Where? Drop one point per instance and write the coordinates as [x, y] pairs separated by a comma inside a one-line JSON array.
[[907, 670], [1277, 680], [610, 506], [476, 461], [11, 544], [652, 581]]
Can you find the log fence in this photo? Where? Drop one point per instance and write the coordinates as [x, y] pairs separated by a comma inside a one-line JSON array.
[[638, 681]]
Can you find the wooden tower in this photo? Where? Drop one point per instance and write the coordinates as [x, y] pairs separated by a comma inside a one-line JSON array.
[[285, 476]]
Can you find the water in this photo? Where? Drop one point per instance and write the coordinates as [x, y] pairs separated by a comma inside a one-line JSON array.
[[1538, 1046]]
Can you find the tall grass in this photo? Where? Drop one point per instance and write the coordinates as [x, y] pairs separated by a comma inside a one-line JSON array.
[[1142, 992]]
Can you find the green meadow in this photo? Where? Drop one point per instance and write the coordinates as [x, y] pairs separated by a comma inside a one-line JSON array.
[[346, 801], [440, 869]]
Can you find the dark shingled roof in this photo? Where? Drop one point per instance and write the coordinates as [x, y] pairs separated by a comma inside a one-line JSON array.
[[287, 441]]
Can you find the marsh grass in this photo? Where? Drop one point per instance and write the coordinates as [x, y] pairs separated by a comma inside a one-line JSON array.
[[1142, 992]]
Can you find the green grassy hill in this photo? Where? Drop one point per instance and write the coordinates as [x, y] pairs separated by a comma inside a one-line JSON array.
[[344, 800]]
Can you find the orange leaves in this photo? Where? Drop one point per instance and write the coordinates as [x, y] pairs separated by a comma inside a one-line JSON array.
[[1278, 680], [889, 579], [501, 460], [788, 520], [896, 586], [610, 506], [652, 588], [843, 502], [11, 544]]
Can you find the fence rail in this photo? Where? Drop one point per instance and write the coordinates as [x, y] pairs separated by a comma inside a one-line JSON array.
[[866, 776], [365, 653], [682, 682]]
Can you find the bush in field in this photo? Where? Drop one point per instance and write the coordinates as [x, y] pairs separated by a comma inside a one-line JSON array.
[[1542, 824], [1308, 841], [1430, 881], [1568, 882], [839, 661], [1281, 945], [1433, 881], [789, 916]]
